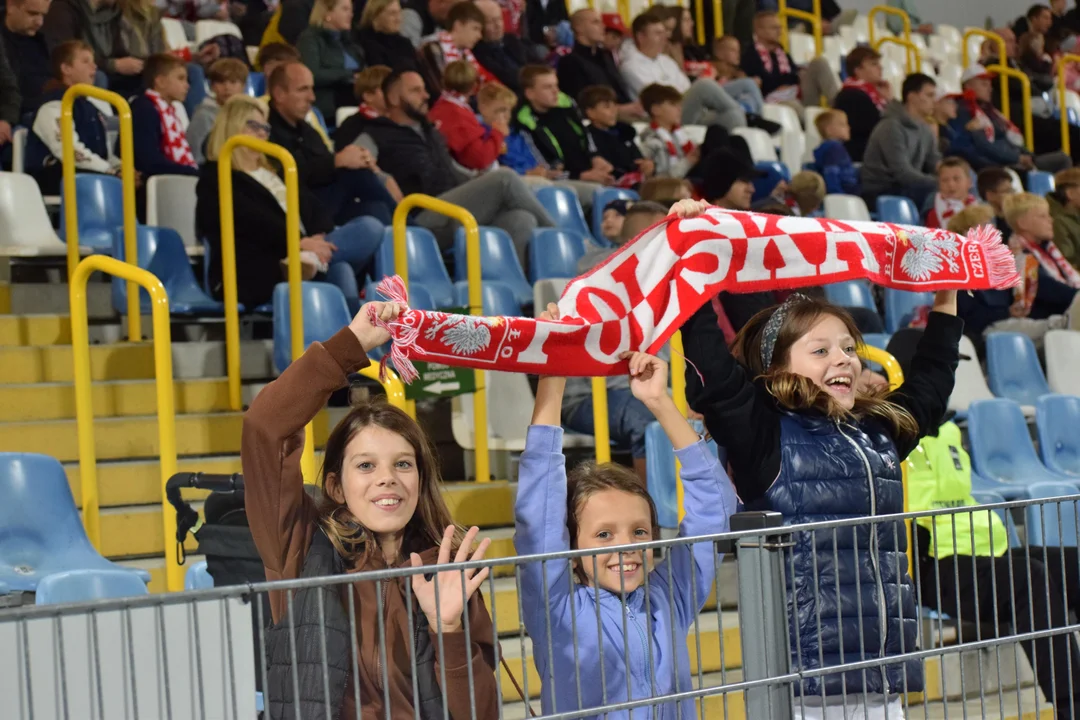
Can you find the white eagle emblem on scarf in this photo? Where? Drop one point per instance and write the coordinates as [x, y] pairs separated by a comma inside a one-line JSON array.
[[463, 335], [929, 251]]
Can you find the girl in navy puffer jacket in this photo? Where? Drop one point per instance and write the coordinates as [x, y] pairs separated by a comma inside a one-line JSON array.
[[804, 439]]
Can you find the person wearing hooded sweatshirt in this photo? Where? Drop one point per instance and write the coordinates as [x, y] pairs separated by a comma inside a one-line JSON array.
[[901, 155], [97, 23], [1065, 209]]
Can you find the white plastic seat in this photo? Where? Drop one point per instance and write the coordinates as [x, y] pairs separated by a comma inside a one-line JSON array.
[[1072, 101], [792, 148], [862, 28], [343, 114], [640, 127], [846, 207], [170, 203], [1062, 348], [783, 115], [801, 47], [942, 45], [974, 46], [18, 149], [812, 138], [1017, 184], [696, 133], [949, 34], [206, 29], [949, 75], [25, 230], [547, 291], [173, 30], [849, 35], [761, 145], [970, 383]]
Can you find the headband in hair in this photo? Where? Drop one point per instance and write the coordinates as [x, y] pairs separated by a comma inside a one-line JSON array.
[[772, 327]]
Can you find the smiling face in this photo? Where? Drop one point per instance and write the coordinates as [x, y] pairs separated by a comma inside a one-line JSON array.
[[607, 518], [380, 480], [826, 355]]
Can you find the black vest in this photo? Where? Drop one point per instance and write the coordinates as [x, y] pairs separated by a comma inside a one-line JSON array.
[[327, 627]]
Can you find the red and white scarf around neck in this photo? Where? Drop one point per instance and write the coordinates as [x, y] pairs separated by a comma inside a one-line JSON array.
[[367, 111], [452, 52], [173, 138], [945, 208], [677, 143], [1051, 260], [643, 293], [869, 89], [783, 65], [985, 121]]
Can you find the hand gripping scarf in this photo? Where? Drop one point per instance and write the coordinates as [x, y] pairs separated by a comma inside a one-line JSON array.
[[645, 291]]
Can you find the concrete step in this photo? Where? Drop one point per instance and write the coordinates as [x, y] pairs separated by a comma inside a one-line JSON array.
[[35, 330], [54, 297], [5, 298]]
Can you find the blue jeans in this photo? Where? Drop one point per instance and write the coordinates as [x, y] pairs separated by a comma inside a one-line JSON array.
[[747, 93], [355, 193], [627, 419], [356, 241]]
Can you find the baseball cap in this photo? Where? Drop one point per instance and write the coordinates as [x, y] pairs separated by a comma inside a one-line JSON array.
[[614, 21], [975, 71]]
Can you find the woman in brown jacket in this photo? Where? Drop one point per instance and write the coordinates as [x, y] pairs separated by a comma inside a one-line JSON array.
[[382, 508]]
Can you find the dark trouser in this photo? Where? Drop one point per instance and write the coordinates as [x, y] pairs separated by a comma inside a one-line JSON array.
[[354, 193], [1012, 593]]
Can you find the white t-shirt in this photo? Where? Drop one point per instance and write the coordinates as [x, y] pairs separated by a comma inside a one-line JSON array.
[[639, 71]]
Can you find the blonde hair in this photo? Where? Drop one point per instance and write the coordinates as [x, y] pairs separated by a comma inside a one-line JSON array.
[[970, 217], [495, 92], [231, 120], [822, 121], [460, 77], [321, 9], [369, 80], [1018, 204], [808, 189], [1067, 177], [372, 10]]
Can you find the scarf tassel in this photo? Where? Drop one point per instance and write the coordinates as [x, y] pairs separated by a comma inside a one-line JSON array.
[[1001, 264], [404, 336]]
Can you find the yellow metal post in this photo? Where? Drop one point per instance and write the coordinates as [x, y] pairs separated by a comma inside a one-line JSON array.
[[476, 303], [228, 270], [699, 20], [1066, 145], [624, 11], [678, 393], [886, 10], [1003, 59], [127, 179], [84, 410], [912, 51], [718, 20], [601, 428], [814, 18], [1025, 83]]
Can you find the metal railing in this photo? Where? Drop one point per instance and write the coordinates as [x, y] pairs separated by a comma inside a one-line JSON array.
[[886, 10], [84, 404], [1066, 143], [814, 18], [127, 178], [1003, 59], [911, 52], [730, 617], [699, 20], [678, 394], [1006, 73]]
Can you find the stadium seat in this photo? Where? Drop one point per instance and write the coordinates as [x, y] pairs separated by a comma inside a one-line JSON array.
[[161, 251], [343, 114], [792, 148], [73, 586], [696, 133], [208, 29], [42, 531], [548, 291], [1013, 368], [901, 306], [1058, 418], [1018, 186], [426, 266], [498, 261], [802, 47], [660, 471], [18, 149], [760, 144], [1062, 348], [877, 340], [1040, 182], [970, 385], [783, 115], [100, 202], [898, 210], [775, 172], [1001, 449], [851, 293], [325, 312], [25, 228], [175, 36], [563, 206], [1052, 524], [991, 497], [256, 84], [498, 298], [846, 207], [170, 203], [554, 253], [813, 137], [198, 577], [601, 198]]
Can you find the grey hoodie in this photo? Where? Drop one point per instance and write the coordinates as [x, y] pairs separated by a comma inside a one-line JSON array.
[[901, 151], [79, 20], [198, 130]]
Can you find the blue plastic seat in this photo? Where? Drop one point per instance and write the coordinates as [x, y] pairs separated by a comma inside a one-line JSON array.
[[1040, 182], [72, 586], [564, 208], [1013, 369], [601, 198], [877, 340], [198, 577], [1052, 524], [774, 173], [1058, 421], [100, 205], [325, 312], [989, 497], [426, 266], [660, 470], [901, 306], [256, 84], [1001, 449], [498, 261], [554, 253], [161, 251], [42, 532], [497, 298], [851, 293], [898, 210]]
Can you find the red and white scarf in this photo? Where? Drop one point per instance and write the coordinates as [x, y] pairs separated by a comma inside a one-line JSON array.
[[456, 99], [367, 111], [173, 138], [783, 64], [945, 208], [512, 10], [982, 120], [452, 52], [1051, 260], [647, 289], [676, 141], [868, 88]]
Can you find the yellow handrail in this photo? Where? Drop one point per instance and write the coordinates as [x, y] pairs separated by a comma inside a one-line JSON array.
[[1025, 84], [1066, 145], [601, 427], [699, 20], [718, 20], [624, 11], [127, 179], [394, 388], [912, 50], [814, 18], [678, 393], [886, 10], [228, 270], [84, 408], [1003, 59], [476, 302]]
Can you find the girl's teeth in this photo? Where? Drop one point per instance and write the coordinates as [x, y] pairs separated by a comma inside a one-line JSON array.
[[387, 502]]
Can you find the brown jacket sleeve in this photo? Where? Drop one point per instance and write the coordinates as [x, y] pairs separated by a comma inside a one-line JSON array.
[[281, 515], [457, 658]]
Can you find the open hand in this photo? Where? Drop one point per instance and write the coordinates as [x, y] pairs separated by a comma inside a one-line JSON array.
[[550, 313], [648, 376], [454, 587], [363, 325], [688, 208]]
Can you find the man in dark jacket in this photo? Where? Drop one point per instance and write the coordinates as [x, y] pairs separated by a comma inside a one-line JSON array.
[[863, 98], [590, 63], [344, 182], [27, 51], [10, 101], [97, 23], [415, 153], [420, 18], [500, 54]]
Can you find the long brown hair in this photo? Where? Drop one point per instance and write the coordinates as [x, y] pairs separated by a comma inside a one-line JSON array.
[[425, 529], [799, 393]]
